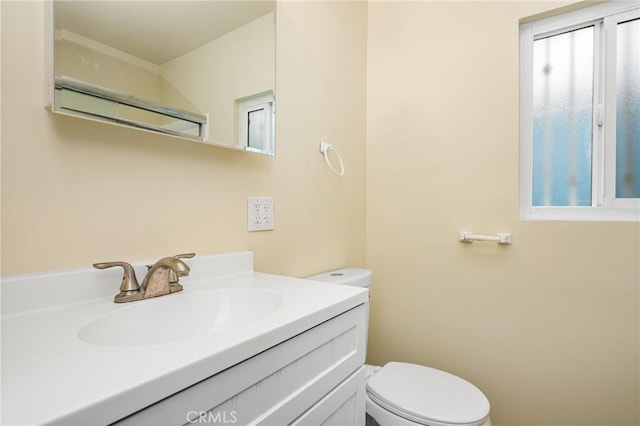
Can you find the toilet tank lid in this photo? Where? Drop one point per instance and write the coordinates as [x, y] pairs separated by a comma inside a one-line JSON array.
[[345, 276]]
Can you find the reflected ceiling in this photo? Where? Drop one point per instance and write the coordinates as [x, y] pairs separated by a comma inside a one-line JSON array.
[[156, 31]]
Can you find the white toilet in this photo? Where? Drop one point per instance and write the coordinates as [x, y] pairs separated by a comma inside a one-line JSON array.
[[400, 393]]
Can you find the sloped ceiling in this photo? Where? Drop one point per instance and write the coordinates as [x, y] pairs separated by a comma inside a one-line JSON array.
[[156, 31]]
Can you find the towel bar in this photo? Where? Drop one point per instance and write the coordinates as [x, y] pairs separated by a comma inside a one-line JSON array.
[[469, 237]]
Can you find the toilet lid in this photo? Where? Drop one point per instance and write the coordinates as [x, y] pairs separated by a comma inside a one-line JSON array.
[[427, 396]]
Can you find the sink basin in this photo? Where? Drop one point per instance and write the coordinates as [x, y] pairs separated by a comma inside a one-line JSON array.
[[181, 316]]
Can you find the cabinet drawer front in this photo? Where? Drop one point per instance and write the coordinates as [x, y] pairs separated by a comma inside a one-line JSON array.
[[274, 387], [344, 405]]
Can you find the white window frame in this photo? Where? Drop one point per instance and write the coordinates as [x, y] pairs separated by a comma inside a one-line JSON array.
[[246, 106], [604, 205]]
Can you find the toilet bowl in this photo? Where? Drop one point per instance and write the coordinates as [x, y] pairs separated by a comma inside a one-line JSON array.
[[401, 393]]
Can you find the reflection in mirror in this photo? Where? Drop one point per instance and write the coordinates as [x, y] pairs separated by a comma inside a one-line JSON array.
[[256, 118], [200, 70]]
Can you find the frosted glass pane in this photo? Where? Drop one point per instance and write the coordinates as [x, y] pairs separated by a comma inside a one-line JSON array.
[[628, 110], [562, 118], [256, 129]]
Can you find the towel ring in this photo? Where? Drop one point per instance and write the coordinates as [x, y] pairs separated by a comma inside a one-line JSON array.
[[324, 149]]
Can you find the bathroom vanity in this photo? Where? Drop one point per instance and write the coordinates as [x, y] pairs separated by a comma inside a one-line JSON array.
[[235, 347]]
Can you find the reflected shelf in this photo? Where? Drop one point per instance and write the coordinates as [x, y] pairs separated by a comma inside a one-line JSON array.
[[93, 101]]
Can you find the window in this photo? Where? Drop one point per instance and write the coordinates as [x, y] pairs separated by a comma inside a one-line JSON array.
[[256, 123], [580, 115]]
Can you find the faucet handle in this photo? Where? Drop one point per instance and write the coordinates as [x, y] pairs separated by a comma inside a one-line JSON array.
[[184, 256], [177, 256], [181, 273], [129, 286]]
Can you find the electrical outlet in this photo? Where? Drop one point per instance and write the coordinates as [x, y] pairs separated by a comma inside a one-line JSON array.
[[260, 213]]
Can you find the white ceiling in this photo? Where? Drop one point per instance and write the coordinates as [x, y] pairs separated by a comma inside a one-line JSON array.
[[156, 31]]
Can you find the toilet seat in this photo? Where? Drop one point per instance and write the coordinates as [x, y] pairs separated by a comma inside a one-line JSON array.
[[427, 396]]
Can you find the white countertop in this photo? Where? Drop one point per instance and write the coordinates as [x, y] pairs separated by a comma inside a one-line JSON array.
[[49, 375]]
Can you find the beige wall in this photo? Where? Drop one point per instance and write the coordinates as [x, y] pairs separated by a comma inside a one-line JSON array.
[[548, 327], [75, 192]]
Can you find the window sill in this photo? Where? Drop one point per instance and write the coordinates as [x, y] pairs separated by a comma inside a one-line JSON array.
[[594, 214]]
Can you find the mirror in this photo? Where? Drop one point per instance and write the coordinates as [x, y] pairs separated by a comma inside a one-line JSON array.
[[197, 70]]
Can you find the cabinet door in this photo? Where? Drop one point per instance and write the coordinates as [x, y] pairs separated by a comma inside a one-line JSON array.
[[344, 405], [274, 387]]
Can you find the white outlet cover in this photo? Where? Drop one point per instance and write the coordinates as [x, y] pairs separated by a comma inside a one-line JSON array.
[[260, 214]]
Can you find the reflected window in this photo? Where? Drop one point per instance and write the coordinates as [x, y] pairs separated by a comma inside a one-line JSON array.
[[256, 117]]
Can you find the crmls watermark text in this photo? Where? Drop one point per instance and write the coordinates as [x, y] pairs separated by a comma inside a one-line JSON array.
[[211, 417]]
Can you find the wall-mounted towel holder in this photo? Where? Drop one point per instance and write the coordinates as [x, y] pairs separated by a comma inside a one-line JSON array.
[[469, 237], [324, 149]]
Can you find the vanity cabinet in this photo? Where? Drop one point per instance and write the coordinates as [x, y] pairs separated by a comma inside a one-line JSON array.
[[316, 377]]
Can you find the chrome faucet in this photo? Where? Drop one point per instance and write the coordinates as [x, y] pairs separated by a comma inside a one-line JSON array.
[[162, 278]]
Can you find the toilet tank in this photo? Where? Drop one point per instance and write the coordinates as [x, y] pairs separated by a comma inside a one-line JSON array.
[[348, 276], [345, 276]]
